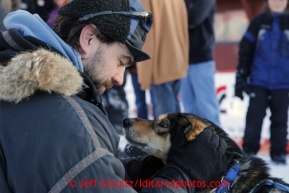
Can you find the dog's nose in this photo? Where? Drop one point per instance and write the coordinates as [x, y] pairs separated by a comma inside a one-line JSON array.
[[126, 122]]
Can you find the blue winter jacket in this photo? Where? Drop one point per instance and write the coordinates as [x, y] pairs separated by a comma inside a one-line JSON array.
[[264, 51]]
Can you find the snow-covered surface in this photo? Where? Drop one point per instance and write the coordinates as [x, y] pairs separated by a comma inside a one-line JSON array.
[[279, 171], [232, 118]]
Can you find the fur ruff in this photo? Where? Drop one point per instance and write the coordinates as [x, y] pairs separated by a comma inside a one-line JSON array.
[[38, 70]]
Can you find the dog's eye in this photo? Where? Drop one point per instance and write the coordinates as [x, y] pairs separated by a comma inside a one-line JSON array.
[[162, 124]]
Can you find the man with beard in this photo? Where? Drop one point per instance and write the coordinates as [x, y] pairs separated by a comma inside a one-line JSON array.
[[54, 132]]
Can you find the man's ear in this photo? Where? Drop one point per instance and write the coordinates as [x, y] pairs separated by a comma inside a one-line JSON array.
[[86, 37]]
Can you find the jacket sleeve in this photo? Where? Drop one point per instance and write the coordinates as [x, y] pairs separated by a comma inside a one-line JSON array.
[[247, 49], [198, 11]]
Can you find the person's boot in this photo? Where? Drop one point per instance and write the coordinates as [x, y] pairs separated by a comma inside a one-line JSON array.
[[279, 159]]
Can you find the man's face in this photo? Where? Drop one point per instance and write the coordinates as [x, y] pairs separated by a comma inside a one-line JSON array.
[[107, 65]]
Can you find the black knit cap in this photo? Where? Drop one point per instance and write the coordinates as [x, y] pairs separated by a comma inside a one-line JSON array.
[[117, 27], [114, 26]]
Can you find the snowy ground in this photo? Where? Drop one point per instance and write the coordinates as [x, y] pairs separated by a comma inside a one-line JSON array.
[[279, 171], [232, 119]]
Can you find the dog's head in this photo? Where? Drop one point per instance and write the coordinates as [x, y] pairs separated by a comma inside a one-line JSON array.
[[154, 136]]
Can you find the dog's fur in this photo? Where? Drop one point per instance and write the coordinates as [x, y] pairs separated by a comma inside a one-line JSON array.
[[153, 137]]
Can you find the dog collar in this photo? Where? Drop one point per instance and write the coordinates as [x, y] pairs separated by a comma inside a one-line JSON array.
[[269, 183], [229, 179]]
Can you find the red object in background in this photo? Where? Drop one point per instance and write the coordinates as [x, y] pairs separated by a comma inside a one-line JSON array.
[[264, 146]]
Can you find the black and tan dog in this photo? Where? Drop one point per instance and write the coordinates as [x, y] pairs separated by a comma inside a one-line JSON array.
[[153, 137]]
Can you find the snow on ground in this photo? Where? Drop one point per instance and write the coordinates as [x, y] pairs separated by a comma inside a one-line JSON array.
[[232, 118], [279, 171]]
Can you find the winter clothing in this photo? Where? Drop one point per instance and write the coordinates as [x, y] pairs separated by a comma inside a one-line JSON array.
[[29, 25], [167, 43], [125, 29], [52, 16], [258, 104], [263, 55], [201, 30], [262, 72], [55, 135], [67, 123], [82, 141], [142, 168], [165, 97], [116, 25], [201, 74]]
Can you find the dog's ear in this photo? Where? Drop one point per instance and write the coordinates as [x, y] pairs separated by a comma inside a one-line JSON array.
[[193, 125], [183, 120]]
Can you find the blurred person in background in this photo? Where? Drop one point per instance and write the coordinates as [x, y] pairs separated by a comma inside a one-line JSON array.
[[198, 87], [144, 110], [40, 7], [262, 72], [168, 46], [54, 12]]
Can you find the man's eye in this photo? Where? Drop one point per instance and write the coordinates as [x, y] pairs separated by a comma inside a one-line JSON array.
[[121, 64]]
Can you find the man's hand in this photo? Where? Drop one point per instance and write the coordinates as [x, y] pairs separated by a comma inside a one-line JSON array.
[[204, 158], [142, 168]]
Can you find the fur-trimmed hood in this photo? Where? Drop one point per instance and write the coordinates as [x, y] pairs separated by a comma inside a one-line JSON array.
[[38, 70], [28, 25]]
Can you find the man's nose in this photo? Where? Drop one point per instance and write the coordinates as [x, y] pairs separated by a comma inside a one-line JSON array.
[[118, 77]]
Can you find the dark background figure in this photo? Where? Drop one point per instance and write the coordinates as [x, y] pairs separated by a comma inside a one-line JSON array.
[[262, 72], [201, 73], [41, 7]]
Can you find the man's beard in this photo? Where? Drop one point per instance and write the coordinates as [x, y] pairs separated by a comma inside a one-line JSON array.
[[94, 70]]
